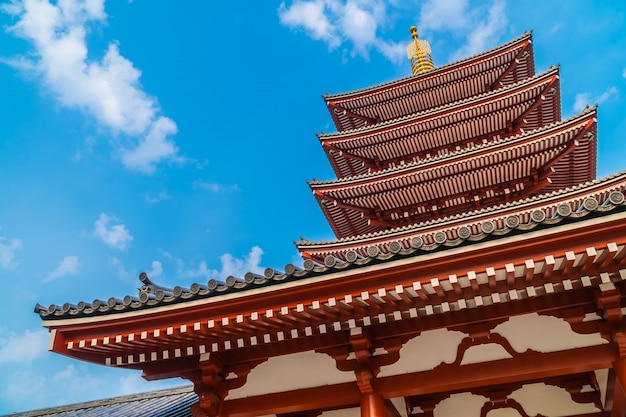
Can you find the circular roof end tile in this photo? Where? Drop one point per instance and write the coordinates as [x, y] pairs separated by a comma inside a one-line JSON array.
[[590, 204], [564, 210], [616, 197], [488, 227], [416, 242], [373, 251], [395, 247], [351, 256], [538, 216], [512, 222], [440, 237], [464, 232]]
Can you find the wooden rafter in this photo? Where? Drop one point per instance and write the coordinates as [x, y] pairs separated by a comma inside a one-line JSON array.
[[523, 51]]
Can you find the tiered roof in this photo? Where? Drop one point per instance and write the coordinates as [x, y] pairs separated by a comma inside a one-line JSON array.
[[504, 65], [475, 223], [526, 105], [475, 177], [576, 205]]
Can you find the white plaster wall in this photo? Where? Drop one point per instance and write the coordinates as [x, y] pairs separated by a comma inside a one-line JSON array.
[[535, 399], [425, 352], [484, 353], [549, 401], [291, 372], [544, 334]]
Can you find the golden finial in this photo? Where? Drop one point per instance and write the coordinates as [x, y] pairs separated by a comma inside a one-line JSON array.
[[418, 52]]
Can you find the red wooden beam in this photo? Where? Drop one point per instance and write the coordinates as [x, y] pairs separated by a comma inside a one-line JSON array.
[[526, 366]]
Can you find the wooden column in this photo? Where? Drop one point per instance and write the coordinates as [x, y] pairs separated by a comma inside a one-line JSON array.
[[372, 405], [366, 369], [619, 366], [609, 301], [618, 408]]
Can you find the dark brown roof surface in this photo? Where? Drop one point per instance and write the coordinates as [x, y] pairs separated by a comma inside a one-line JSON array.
[[173, 402]]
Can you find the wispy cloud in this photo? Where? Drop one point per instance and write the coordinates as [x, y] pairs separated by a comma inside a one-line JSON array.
[[215, 187], [444, 15], [230, 265], [352, 24], [68, 266], [111, 232], [310, 16], [25, 389], [156, 269], [162, 196], [482, 26], [8, 252], [583, 99], [121, 271], [23, 348], [109, 90]]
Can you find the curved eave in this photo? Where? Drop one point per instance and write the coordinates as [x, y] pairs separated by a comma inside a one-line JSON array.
[[190, 305], [549, 203], [213, 323], [448, 107], [383, 175], [526, 105], [511, 169], [480, 73]]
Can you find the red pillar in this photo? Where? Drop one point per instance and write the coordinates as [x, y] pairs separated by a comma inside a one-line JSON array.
[[372, 405], [619, 393]]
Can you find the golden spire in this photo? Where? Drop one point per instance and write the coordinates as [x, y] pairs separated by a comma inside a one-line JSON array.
[[418, 52]]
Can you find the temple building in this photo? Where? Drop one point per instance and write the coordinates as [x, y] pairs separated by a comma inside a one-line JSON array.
[[478, 268]]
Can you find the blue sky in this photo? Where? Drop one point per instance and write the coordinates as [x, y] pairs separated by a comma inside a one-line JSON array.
[[178, 139]]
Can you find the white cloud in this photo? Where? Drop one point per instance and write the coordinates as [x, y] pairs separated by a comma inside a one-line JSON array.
[[156, 271], [108, 90], [23, 388], [215, 187], [23, 348], [115, 236], [76, 382], [584, 99], [444, 15], [310, 16], [86, 150], [481, 26], [121, 270], [8, 252], [162, 196], [352, 22], [486, 32], [624, 73], [153, 148], [230, 265], [68, 266]]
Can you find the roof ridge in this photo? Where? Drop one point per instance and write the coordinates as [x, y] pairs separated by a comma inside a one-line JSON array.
[[526, 34], [408, 166], [462, 101], [442, 220]]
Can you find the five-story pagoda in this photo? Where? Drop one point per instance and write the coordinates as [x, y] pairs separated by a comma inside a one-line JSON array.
[[478, 266]]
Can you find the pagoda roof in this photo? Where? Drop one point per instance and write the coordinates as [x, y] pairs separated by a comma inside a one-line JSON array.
[[452, 230], [526, 105], [503, 65], [599, 198], [509, 168]]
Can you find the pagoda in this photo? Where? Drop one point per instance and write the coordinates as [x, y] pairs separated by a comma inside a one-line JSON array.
[[478, 266]]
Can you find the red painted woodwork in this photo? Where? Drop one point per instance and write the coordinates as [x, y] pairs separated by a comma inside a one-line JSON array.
[[462, 201]]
